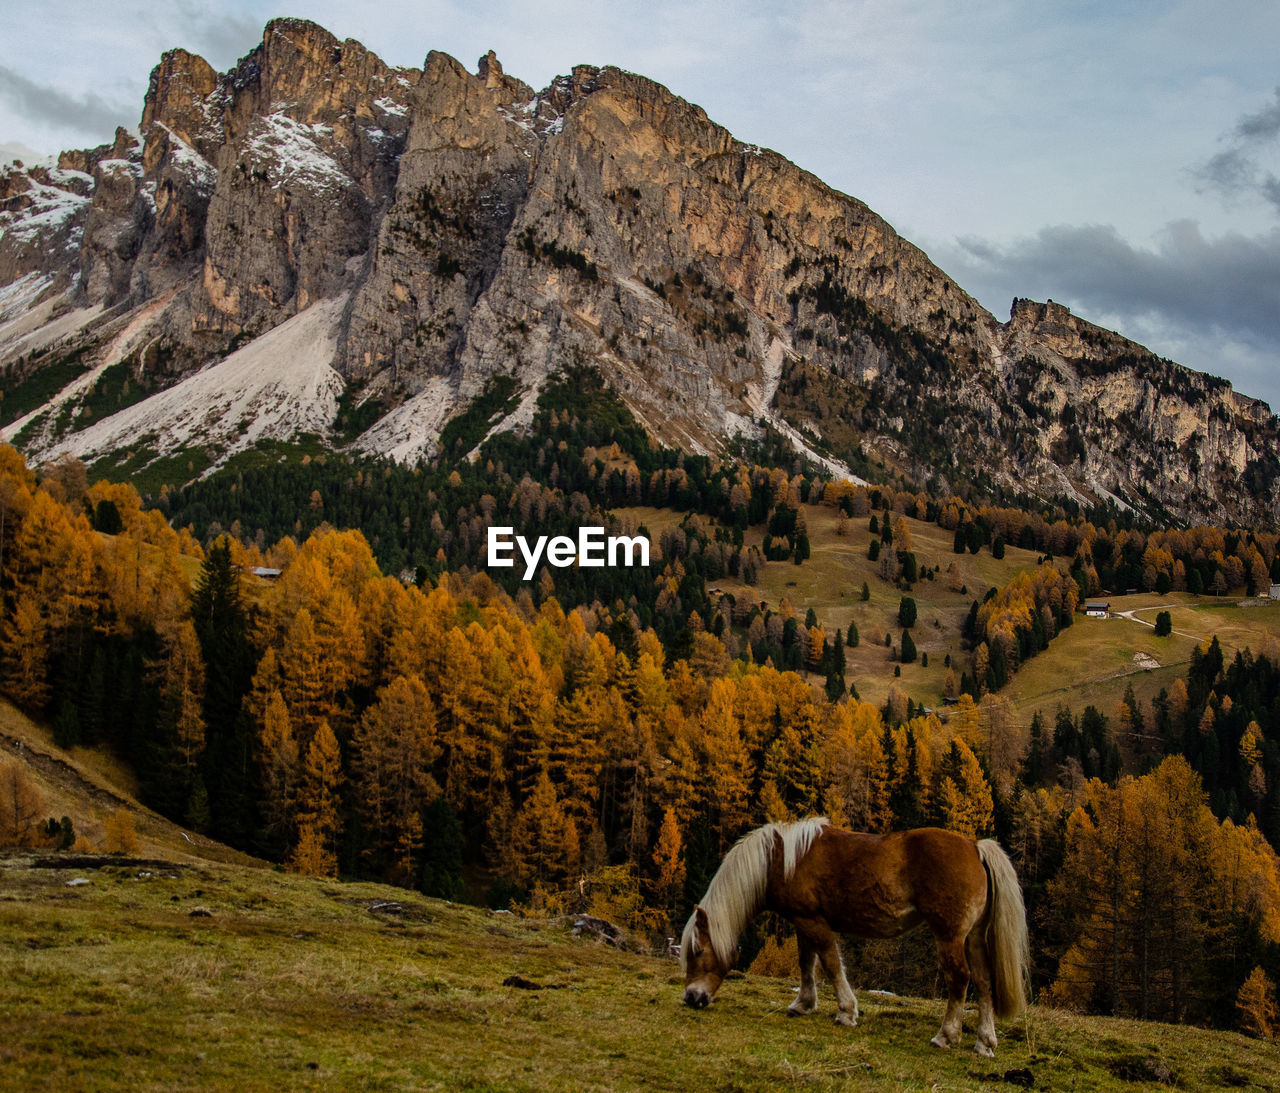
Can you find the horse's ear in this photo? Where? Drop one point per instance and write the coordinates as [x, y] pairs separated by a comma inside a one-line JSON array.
[[700, 917]]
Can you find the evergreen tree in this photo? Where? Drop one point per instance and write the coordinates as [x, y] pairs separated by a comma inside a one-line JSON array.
[[221, 624], [907, 612], [442, 851]]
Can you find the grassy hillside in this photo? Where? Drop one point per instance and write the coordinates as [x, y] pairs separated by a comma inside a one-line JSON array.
[[1090, 663], [154, 976], [89, 785], [830, 581]]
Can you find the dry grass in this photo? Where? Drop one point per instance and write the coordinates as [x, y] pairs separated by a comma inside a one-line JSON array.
[[1090, 663], [90, 785], [831, 581], [298, 984]]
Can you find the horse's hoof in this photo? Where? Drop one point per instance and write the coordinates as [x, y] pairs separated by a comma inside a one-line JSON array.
[[940, 1041], [798, 1011], [847, 1020], [985, 1050]]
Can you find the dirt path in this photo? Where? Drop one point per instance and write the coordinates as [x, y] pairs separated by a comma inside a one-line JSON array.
[[1132, 616]]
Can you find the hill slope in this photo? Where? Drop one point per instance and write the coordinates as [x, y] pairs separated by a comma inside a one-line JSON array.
[[475, 227], [229, 978]]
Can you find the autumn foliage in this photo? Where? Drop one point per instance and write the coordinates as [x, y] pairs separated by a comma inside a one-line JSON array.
[[455, 738]]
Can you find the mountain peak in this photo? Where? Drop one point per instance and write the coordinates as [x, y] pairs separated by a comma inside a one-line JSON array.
[[473, 227]]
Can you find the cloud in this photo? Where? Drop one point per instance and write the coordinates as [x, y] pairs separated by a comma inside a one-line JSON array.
[[220, 38], [1263, 125], [1239, 171], [1211, 303], [88, 114]]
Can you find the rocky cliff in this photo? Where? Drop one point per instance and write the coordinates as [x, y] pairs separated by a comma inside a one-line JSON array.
[[457, 226]]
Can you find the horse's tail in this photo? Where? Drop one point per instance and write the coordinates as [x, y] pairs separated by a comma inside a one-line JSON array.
[[1006, 932]]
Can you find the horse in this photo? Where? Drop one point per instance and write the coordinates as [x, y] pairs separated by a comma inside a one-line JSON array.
[[826, 881]]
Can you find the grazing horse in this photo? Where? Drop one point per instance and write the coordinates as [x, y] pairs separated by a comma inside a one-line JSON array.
[[827, 882]]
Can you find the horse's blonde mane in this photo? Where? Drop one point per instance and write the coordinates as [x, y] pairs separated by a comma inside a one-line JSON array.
[[736, 893]]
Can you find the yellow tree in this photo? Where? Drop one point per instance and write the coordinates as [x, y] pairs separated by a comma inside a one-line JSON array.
[[394, 747], [544, 839], [855, 769], [319, 815], [25, 648], [305, 677], [278, 760], [22, 805], [725, 764], [964, 797], [120, 833], [1256, 1005], [668, 859], [182, 677]]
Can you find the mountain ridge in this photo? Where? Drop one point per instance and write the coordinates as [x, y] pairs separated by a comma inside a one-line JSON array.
[[474, 227]]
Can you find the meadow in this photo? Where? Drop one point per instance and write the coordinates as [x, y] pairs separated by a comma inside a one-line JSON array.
[[146, 974]]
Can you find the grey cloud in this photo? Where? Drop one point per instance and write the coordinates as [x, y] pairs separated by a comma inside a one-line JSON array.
[[1237, 170], [89, 114], [1263, 125], [221, 38], [1270, 188], [1230, 170]]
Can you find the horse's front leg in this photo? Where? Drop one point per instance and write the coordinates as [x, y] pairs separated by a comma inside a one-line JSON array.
[[807, 1001], [828, 946]]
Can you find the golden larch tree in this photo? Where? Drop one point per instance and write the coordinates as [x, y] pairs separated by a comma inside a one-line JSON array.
[[319, 807]]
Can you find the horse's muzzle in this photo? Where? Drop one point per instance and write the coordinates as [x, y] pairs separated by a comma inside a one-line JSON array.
[[697, 998]]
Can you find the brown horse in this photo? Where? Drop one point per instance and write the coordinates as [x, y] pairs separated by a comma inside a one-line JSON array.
[[827, 882]]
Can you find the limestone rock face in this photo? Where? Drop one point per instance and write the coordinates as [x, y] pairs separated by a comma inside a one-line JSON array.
[[474, 227]]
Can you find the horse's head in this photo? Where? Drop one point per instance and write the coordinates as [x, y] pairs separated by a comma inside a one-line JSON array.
[[704, 971]]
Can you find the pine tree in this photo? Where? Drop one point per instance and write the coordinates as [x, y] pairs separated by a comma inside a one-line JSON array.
[[545, 840], [907, 650], [221, 625], [25, 648], [22, 805], [394, 748], [1256, 1006]]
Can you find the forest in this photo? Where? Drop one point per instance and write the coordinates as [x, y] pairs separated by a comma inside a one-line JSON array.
[[597, 738]]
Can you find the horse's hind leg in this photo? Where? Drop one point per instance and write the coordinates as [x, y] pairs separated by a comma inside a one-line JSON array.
[[807, 1001], [980, 970], [956, 969]]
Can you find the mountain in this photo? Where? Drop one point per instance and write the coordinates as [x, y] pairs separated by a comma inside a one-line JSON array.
[[316, 242]]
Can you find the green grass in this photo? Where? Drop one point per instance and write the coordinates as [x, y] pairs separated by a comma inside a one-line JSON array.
[[1091, 662], [298, 984]]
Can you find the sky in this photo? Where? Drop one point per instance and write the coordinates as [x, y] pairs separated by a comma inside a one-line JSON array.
[[1123, 159]]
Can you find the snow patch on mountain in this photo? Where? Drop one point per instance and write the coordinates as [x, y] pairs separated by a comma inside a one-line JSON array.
[[277, 386], [292, 154], [45, 209]]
